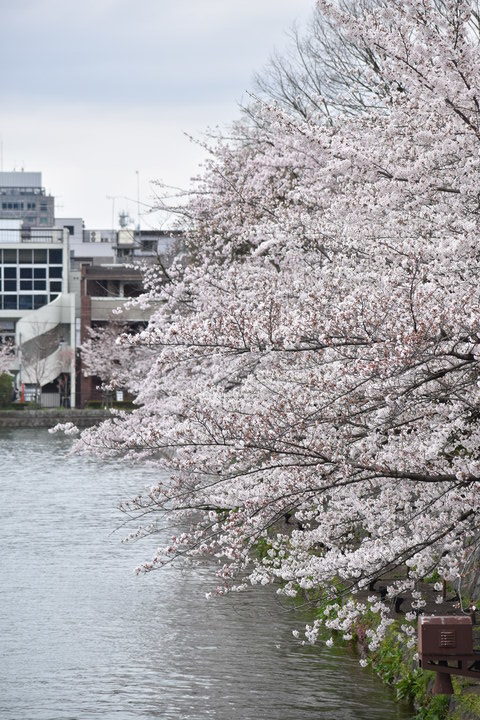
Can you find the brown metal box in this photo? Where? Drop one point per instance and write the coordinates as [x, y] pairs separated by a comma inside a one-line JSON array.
[[445, 635]]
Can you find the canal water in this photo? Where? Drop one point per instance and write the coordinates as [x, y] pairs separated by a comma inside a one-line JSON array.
[[82, 637]]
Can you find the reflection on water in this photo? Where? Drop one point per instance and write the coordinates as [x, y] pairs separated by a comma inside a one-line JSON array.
[[83, 637]]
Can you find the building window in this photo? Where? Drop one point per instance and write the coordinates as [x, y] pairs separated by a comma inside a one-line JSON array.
[[10, 272], [55, 287], [39, 300], [55, 272], [25, 256], [40, 256], [55, 257], [40, 285], [10, 285], [25, 284], [25, 302], [39, 272], [9, 302], [10, 256], [25, 272]]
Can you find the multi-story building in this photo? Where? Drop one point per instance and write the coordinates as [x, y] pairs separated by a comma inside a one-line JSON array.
[[105, 289], [57, 279], [23, 197], [37, 311]]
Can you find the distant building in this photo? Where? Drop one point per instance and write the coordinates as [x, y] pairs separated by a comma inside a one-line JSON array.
[[23, 197], [37, 311], [104, 289], [58, 279]]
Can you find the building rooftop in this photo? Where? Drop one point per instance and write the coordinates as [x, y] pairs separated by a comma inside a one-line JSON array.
[[21, 179]]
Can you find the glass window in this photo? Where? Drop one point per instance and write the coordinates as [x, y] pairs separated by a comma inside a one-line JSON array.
[[10, 272], [55, 287], [53, 297], [40, 256], [25, 302], [9, 302], [55, 257], [25, 272], [10, 285], [6, 325], [25, 284], [10, 256], [39, 300], [55, 272], [39, 272], [25, 256], [40, 285]]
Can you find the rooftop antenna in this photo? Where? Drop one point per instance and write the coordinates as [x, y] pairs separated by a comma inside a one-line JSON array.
[[113, 198], [138, 200], [124, 219]]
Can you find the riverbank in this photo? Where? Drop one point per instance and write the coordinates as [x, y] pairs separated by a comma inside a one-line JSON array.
[[48, 418], [397, 666]]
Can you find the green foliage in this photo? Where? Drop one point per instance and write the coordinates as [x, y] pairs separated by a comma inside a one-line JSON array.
[[261, 548], [6, 389], [467, 704], [436, 708]]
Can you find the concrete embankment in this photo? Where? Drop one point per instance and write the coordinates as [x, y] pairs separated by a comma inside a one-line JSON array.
[[49, 418]]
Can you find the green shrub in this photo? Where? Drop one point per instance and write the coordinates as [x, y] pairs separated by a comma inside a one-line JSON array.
[[6, 389]]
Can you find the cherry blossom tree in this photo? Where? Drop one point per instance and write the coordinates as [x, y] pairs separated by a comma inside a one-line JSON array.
[[6, 355], [108, 355], [314, 383]]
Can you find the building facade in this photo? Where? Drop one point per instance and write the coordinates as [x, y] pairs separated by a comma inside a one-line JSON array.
[[57, 280], [37, 311], [23, 197]]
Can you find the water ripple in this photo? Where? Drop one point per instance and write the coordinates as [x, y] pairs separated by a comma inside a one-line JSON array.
[[83, 638]]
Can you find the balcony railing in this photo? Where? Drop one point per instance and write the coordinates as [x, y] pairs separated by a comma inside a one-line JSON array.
[[31, 235]]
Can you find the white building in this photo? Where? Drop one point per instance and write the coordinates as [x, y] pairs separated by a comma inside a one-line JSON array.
[[37, 311]]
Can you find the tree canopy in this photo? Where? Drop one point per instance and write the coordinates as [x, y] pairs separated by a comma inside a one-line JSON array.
[[315, 377]]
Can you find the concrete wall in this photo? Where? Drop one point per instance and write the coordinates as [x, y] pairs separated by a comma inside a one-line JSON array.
[[49, 418]]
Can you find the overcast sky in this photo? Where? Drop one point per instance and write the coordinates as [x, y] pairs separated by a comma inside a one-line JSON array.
[[93, 91]]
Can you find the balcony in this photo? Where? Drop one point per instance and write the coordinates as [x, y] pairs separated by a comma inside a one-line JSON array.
[[31, 235], [103, 310]]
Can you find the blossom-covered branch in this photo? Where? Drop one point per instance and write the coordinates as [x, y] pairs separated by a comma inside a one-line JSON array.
[[316, 374]]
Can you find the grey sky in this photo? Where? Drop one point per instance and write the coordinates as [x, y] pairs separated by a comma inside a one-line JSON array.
[[94, 90]]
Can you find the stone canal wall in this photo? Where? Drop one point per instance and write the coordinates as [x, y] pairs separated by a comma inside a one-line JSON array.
[[49, 418]]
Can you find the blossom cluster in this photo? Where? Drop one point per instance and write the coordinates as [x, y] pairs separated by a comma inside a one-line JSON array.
[[312, 383]]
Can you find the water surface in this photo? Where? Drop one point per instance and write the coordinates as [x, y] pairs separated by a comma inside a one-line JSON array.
[[82, 637]]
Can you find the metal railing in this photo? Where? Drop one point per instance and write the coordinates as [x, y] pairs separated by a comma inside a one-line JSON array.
[[31, 235]]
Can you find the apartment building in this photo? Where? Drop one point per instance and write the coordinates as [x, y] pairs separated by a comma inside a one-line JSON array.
[[37, 311], [58, 279], [23, 197]]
